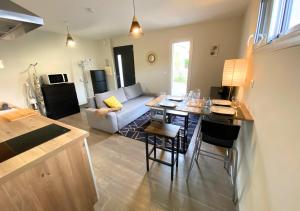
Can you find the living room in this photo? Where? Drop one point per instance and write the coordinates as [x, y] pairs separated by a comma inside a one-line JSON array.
[[93, 36]]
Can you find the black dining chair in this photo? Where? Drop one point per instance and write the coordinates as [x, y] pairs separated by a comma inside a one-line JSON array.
[[222, 135]]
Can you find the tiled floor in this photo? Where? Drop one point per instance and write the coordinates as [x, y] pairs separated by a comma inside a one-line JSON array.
[[124, 184]]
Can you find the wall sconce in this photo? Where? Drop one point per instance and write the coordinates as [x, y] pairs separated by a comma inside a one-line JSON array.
[[1, 64]]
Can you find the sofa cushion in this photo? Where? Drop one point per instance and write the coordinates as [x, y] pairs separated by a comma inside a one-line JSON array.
[[133, 91], [113, 102], [132, 109], [119, 94]]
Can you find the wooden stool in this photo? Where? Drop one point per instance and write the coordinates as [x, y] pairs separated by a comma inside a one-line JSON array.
[[168, 131], [171, 113]]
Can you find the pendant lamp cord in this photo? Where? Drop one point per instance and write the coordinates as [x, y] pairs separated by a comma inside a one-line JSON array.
[[133, 7]]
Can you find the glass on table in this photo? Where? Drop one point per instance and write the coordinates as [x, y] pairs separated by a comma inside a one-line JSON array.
[[189, 96], [163, 93], [234, 102], [207, 102], [197, 94], [186, 98]]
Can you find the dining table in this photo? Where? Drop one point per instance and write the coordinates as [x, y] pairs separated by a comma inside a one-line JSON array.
[[197, 107]]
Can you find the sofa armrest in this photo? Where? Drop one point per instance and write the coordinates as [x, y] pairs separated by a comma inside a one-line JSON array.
[[108, 123], [91, 102]]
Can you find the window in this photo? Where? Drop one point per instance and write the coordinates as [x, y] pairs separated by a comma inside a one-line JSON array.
[[121, 69], [277, 18], [295, 16]]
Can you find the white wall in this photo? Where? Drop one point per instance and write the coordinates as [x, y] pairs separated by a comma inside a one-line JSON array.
[[106, 58], [206, 71], [269, 168], [49, 50]]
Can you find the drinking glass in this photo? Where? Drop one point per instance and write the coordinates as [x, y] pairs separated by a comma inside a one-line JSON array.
[[191, 95], [207, 102], [197, 94], [235, 102], [163, 93], [186, 98]]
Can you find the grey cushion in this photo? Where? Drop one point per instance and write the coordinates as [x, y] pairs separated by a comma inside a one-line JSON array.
[[133, 91], [132, 109], [119, 94], [108, 124]]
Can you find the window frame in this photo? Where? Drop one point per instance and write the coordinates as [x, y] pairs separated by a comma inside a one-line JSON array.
[[283, 33]]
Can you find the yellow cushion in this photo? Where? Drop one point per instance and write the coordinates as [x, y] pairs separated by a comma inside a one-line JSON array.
[[113, 102]]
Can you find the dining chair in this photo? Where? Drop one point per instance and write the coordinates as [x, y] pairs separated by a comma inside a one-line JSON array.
[[156, 115], [184, 128], [222, 135]]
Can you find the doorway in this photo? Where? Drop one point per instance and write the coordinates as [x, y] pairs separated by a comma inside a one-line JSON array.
[[180, 67], [124, 63]]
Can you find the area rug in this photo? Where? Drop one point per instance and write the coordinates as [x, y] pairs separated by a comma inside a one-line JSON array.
[[135, 129]]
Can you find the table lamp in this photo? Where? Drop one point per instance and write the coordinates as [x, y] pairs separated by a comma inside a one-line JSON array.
[[234, 73]]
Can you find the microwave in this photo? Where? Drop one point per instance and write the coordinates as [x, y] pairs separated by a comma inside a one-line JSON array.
[[55, 78]]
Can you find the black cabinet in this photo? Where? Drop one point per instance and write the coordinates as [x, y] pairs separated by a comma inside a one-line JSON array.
[[221, 92], [60, 100], [99, 81]]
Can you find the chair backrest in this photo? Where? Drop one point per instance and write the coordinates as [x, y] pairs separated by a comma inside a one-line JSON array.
[[219, 133]]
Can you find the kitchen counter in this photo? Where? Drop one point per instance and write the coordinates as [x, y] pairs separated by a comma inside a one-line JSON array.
[[61, 165]]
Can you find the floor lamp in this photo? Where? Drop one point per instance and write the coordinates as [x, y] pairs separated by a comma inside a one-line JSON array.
[[234, 73]]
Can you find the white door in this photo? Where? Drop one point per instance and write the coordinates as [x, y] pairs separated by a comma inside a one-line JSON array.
[[180, 67]]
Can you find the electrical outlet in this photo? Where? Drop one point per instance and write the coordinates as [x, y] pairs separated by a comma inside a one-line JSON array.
[[252, 83]]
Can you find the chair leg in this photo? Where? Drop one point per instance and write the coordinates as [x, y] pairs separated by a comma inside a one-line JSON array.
[[226, 155], [198, 150], [199, 140], [193, 159], [227, 160], [235, 162], [169, 117], [147, 156], [186, 127], [177, 150], [155, 147], [172, 161]]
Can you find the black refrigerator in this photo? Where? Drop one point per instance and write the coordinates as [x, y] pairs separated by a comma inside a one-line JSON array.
[[99, 81]]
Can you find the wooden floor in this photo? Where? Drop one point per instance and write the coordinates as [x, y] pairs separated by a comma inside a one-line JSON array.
[[124, 184]]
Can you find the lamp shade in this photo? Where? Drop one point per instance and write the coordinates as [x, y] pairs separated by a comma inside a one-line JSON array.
[[1, 64], [70, 41], [135, 29], [234, 72]]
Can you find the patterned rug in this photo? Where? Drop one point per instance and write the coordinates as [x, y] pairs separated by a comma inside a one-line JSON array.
[[135, 129]]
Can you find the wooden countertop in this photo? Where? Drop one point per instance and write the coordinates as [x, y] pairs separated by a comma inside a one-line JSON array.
[[9, 130]]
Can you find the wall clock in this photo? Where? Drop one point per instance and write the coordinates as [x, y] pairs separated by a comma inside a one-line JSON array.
[[151, 57]]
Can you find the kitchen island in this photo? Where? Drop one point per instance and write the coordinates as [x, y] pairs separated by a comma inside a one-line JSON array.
[[54, 174]]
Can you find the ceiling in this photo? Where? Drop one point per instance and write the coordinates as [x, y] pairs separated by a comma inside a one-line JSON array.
[[107, 18]]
